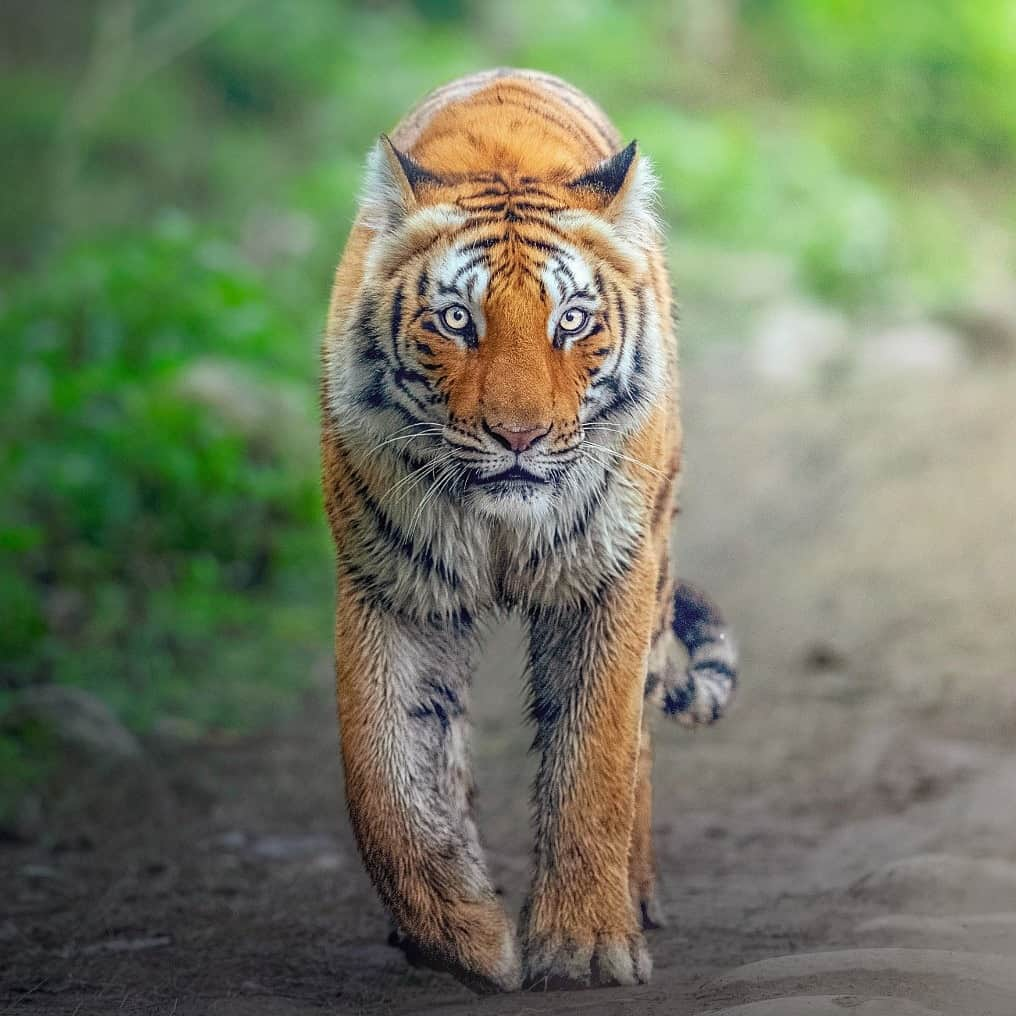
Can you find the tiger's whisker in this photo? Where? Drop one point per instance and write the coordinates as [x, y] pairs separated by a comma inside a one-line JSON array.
[[626, 458], [407, 480]]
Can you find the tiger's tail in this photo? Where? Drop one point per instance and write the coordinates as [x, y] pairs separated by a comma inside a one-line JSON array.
[[693, 664]]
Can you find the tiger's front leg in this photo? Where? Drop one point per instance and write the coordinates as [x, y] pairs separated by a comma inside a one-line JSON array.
[[402, 691], [588, 668]]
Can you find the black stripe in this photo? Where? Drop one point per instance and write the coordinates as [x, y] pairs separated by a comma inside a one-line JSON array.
[[468, 267], [696, 617], [369, 339], [538, 206], [608, 381], [569, 90], [367, 586], [396, 319], [679, 700], [420, 556], [409, 375], [543, 245], [570, 128], [490, 209], [373, 395], [485, 243], [622, 317], [404, 373], [559, 262], [638, 350], [440, 701], [623, 401], [581, 523], [715, 667], [549, 227], [460, 621], [422, 407]]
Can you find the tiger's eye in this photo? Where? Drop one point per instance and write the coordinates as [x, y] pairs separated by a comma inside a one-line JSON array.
[[572, 320], [455, 318]]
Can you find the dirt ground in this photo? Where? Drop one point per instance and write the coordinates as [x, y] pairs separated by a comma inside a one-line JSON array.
[[845, 841]]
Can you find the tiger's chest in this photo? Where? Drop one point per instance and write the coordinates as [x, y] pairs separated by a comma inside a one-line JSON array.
[[449, 563], [575, 560]]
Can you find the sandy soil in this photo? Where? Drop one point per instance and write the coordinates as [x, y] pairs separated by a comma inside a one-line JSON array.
[[845, 841]]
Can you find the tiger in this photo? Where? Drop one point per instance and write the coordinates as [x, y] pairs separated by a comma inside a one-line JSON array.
[[500, 434]]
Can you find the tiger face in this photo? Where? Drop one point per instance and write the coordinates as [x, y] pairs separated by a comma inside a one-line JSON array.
[[506, 335]]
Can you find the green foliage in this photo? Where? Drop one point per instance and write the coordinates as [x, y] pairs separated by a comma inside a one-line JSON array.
[[777, 191], [28, 757], [157, 481], [821, 130], [931, 78]]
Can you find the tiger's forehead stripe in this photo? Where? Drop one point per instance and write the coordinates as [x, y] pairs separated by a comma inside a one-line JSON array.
[[469, 268], [568, 275], [461, 271]]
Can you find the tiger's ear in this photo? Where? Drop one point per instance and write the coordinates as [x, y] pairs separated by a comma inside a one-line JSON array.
[[622, 189], [391, 185]]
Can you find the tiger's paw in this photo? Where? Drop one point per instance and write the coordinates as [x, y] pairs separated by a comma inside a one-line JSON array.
[[558, 963], [497, 969]]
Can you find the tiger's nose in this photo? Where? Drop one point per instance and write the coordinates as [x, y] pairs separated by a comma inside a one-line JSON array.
[[518, 439]]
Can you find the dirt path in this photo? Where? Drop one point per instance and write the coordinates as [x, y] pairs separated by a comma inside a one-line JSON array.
[[847, 835]]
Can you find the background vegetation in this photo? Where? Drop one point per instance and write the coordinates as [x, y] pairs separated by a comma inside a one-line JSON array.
[[180, 177]]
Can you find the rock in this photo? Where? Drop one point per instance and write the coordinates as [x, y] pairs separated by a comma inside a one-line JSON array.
[[122, 945], [272, 417], [796, 342], [235, 839], [39, 873], [327, 862], [822, 655], [930, 883], [950, 981], [270, 234], [989, 327], [293, 848], [177, 730], [24, 823], [918, 347], [79, 720], [828, 1005], [315, 848]]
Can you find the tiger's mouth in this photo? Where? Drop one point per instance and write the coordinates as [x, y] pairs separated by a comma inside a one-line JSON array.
[[514, 476]]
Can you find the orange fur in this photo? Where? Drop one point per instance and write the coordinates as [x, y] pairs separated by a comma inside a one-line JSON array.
[[507, 153]]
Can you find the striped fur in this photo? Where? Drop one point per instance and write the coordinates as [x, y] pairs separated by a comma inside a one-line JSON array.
[[500, 432], [699, 691]]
